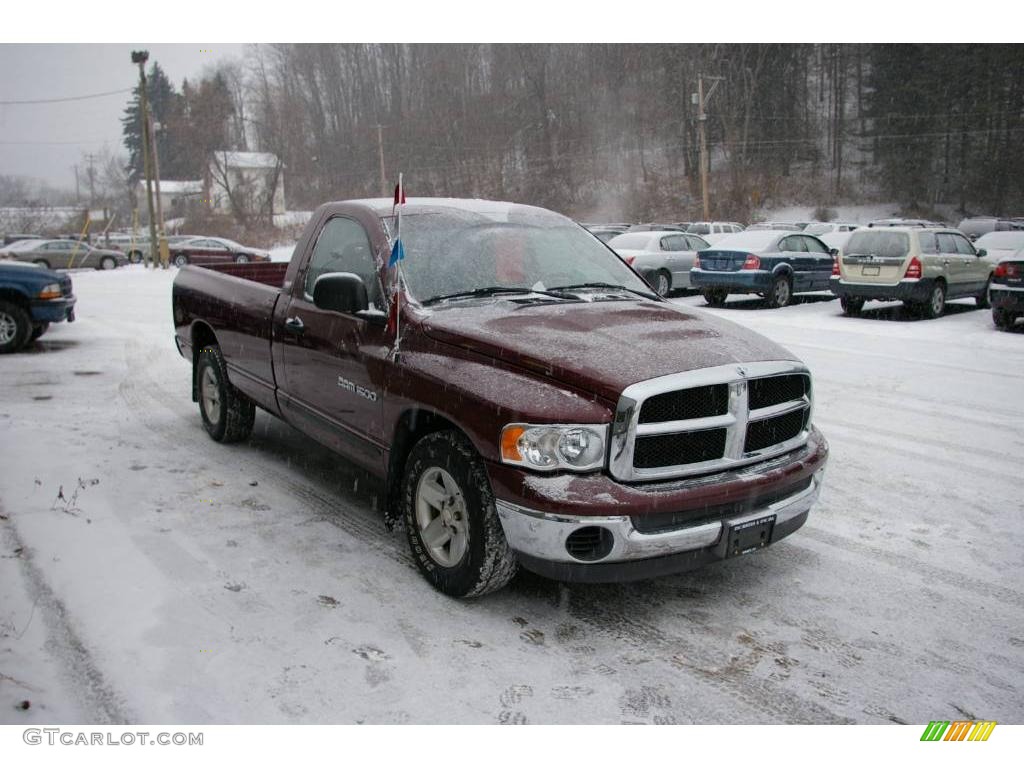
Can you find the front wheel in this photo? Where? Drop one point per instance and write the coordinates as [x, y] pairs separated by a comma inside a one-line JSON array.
[[715, 297], [781, 292], [241, 259], [108, 262], [982, 298], [851, 306], [135, 257], [15, 327], [180, 260], [228, 415], [450, 518], [38, 330]]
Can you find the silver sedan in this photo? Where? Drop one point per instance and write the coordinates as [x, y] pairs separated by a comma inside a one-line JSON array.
[[65, 254], [664, 259]]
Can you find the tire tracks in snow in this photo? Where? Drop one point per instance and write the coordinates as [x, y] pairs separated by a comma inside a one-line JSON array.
[[96, 695]]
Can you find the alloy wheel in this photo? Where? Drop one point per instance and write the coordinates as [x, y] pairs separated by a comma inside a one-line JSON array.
[[442, 517]]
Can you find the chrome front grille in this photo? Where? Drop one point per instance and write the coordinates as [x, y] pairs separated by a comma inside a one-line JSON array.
[[709, 420]]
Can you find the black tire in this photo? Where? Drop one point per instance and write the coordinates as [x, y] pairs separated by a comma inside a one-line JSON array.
[[242, 258], [42, 263], [982, 298], [852, 306], [487, 563], [180, 260], [135, 257], [715, 297], [781, 292], [108, 262], [936, 303], [38, 330], [228, 415], [662, 283], [1003, 319], [15, 327]]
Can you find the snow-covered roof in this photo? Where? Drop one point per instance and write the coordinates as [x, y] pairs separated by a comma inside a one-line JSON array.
[[246, 159], [171, 187]]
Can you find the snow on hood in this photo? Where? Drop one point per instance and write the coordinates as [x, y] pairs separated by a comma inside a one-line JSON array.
[[603, 346]]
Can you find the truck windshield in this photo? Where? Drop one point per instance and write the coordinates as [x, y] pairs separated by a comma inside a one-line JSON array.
[[455, 251]]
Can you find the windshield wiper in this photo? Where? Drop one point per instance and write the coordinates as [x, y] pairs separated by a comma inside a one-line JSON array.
[[565, 288], [488, 291]]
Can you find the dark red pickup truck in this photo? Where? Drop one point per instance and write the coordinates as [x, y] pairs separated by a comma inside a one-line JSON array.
[[540, 405]]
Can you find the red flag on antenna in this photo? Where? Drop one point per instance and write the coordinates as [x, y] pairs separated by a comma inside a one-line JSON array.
[[399, 194]]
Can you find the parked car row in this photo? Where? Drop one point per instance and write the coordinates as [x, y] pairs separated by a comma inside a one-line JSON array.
[[890, 260]]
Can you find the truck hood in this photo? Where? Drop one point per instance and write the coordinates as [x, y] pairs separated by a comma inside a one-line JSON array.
[[601, 346]]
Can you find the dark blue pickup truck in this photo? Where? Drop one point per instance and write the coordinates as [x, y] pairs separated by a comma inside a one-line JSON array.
[[30, 299]]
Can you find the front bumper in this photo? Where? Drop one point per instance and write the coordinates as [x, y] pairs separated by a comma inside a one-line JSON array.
[[912, 289], [541, 540], [740, 281], [1006, 297], [53, 310]]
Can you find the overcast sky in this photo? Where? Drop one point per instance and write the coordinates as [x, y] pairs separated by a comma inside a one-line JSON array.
[[45, 140]]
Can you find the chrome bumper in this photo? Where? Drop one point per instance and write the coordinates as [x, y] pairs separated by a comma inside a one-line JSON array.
[[543, 536]]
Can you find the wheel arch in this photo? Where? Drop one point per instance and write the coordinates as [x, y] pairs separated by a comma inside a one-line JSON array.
[[14, 295], [202, 335], [413, 425]]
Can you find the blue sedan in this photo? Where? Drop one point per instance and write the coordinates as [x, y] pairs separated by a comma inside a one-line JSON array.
[[773, 264]]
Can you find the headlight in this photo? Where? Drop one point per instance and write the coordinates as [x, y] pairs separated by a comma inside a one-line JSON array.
[[551, 447], [51, 291]]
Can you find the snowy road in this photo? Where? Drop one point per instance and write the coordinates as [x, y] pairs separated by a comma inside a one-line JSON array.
[[192, 582]]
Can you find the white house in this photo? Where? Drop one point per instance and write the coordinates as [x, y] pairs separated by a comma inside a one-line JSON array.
[[176, 197], [247, 182]]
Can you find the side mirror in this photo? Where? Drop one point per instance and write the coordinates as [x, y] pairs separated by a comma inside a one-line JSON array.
[[340, 292], [833, 252], [982, 253]]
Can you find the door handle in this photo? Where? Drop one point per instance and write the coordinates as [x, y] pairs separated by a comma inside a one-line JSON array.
[[294, 325]]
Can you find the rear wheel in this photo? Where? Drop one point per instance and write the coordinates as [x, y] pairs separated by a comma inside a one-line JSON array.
[[1003, 319], [936, 301], [228, 415], [135, 256], [851, 305], [241, 259], [781, 292], [450, 518], [38, 330], [180, 260], [108, 262], [715, 296], [15, 327], [982, 298]]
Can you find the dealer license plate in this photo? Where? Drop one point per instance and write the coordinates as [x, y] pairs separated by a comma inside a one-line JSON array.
[[870, 271], [749, 535]]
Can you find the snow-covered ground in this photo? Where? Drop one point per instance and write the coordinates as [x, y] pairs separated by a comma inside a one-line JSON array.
[[184, 581]]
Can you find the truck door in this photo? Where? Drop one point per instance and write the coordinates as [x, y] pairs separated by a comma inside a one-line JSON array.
[[333, 364]]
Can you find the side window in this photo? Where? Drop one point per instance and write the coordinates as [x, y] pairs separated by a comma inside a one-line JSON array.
[[963, 247], [665, 243], [814, 246], [946, 242], [793, 244], [696, 244], [928, 242], [343, 247], [676, 243]]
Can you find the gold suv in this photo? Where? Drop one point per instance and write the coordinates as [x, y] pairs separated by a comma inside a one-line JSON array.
[[921, 266]]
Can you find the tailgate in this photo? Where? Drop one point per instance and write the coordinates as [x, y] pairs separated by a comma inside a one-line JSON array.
[[876, 256]]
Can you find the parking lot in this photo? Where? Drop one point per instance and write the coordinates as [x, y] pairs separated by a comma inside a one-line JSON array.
[[152, 575]]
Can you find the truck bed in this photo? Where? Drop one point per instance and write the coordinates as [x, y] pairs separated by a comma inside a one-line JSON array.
[[268, 272]]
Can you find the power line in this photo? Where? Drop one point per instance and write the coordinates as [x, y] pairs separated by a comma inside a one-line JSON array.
[[66, 98]]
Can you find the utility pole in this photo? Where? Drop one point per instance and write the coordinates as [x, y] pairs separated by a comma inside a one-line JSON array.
[[380, 150], [91, 159], [78, 190], [162, 249], [140, 57], [702, 100]]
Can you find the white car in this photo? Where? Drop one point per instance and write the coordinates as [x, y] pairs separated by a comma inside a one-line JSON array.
[[713, 231], [664, 258], [1000, 245], [825, 227]]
